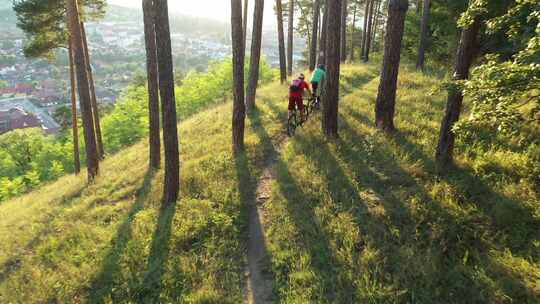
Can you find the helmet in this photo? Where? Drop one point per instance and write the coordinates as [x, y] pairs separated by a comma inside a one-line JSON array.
[[301, 76], [322, 67]]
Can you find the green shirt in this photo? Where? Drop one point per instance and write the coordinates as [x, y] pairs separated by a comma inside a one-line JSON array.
[[318, 75]]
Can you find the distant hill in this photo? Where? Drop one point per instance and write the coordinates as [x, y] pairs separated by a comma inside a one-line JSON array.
[[179, 23]]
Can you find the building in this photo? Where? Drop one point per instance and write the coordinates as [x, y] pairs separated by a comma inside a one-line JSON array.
[[17, 118]]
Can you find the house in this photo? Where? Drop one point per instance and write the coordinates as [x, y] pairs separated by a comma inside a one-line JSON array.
[[17, 118], [24, 88]]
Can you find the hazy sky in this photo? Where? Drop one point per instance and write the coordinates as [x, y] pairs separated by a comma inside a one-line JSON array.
[[214, 9]]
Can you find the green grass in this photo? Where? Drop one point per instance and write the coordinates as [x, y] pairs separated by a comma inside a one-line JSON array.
[[364, 219], [111, 241]]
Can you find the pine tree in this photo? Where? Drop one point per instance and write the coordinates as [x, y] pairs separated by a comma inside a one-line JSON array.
[[424, 28], [464, 58], [239, 109], [365, 28], [256, 40], [245, 20], [290, 39], [344, 15], [386, 98], [369, 31], [331, 100], [74, 120], [168, 103], [153, 83], [92, 156], [281, 42], [314, 35], [353, 31], [324, 36], [95, 109]]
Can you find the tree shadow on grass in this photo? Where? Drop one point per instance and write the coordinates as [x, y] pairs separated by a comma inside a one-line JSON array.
[[159, 253], [247, 185], [458, 244], [103, 286]]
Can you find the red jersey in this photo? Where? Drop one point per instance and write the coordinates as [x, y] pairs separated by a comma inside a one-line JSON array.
[[303, 85]]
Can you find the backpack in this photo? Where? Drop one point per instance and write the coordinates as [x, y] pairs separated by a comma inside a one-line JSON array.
[[295, 86]]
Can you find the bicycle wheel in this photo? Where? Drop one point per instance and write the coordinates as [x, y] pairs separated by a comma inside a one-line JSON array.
[[291, 124]]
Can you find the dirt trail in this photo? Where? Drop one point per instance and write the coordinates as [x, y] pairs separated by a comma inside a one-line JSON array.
[[259, 281]]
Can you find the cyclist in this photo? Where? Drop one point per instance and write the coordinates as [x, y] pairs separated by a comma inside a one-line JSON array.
[[317, 78], [296, 92]]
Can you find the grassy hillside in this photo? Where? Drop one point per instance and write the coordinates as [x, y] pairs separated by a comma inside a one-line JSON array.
[[364, 219], [111, 241]]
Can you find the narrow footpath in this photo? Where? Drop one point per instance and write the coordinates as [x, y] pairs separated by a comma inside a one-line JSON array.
[[259, 280]]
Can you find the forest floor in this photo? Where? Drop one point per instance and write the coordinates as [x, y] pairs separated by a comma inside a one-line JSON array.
[[364, 219]]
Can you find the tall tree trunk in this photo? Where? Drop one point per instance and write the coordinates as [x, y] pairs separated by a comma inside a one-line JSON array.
[[239, 108], [344, 15], [464, 58], [353, 31], [168, 103], [365, 29], [418, 6], [245, 29], [369, 31], [290, 39], [95, 108], [423, 36], [74, 121], [376, 23], [314, 32], [153, 83], [331, 100], [386, 99], [92, 158], [256, 38], [324, 36], [281, 42]]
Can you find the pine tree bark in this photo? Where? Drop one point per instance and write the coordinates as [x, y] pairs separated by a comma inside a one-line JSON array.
[[314, 37], [375, 24], [353, 32], [365, 29], [324, 36], [386, 99], [92, 158], [256, 39], [245, 20], [418, 6], [239, 109], [290, 39], [153, 83], [95, 108], [344, 15], [168, 103], [74, 121], [465, 55], [369, 31], [281, 42], [424, 28], [331, 100]]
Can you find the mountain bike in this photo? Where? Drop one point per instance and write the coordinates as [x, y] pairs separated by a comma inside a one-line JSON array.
[[294, 121], [314, 104]]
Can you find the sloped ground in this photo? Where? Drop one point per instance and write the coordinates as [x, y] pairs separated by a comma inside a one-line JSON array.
[[366, 219], [111, 241]]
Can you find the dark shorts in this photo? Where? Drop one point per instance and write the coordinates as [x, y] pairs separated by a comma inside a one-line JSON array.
[[315, 86], [298, 101]]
